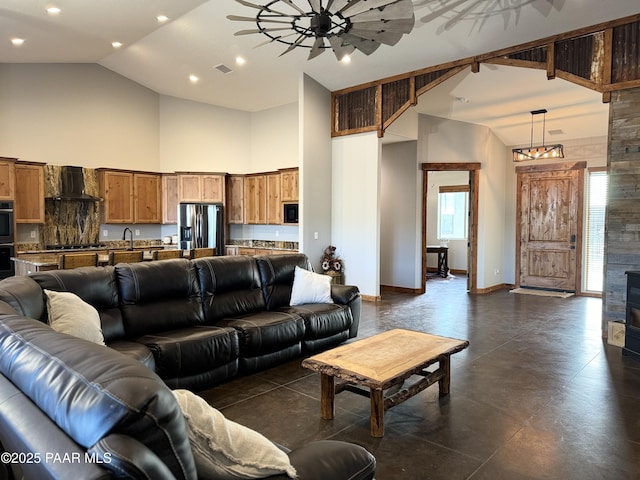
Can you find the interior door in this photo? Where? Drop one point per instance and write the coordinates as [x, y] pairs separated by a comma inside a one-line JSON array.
[[550, 206]]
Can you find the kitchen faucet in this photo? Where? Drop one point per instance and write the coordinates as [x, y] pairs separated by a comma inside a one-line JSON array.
[[124, 237]]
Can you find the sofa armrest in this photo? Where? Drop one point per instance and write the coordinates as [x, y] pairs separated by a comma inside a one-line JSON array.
[[331, 459], [349, 295], [126, 457]]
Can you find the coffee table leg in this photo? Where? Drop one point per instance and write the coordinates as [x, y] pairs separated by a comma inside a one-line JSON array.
[[377, 413], [445, 381], [327, 396]]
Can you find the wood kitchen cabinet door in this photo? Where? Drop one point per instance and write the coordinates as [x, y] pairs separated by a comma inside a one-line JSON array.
[[274, 205], [7, 181], [29, 194], [289, 185], [169, 199], [255, 206], [147, 198], [212, 188], [235, 199], [117, 191]]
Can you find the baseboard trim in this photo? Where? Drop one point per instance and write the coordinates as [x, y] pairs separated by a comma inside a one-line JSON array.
[[493, 288], [370, 298], [391, 288]]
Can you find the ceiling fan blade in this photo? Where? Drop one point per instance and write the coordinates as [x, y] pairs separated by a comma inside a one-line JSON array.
[[336, 6], [275, 39], [261, 7], [258, 30], [395, 11], [365, 45], [315, 5], [237, 18], [388, 38], [403, 25], [317, 49], [300, 39], [363, 6], [340, 48], [294, 6]]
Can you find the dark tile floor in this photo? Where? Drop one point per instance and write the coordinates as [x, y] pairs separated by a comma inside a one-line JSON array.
[[537, 395]]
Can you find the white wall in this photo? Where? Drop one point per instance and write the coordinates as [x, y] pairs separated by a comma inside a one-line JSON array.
[[315, 169], [458, 251], [448, 141], [400, 217], [355, 222], [203, 138], [77, 114], [274, 139]]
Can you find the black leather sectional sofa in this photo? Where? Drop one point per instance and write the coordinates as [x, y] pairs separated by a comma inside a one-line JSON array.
[[199, 322], [168, 324]]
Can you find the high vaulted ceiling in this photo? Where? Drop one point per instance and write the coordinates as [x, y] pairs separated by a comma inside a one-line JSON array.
[[197, 37]]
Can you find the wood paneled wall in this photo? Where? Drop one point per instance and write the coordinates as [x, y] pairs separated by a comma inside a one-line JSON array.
[[622, 240]]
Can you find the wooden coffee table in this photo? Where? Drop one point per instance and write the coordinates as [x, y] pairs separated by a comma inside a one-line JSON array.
[[381, 362]]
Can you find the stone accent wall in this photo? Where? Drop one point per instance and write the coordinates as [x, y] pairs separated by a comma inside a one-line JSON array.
[[622, 233]]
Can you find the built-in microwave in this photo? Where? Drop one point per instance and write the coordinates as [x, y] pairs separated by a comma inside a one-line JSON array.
[[290, 213], [6, 222]]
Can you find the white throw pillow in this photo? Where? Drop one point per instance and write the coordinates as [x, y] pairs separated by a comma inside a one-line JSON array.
[[223, 449], [68, 313], [310, 287]]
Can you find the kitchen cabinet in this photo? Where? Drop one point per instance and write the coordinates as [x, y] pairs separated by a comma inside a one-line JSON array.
[[274, 206], [289, 185], [262, 203], [131, 197], [235, 199], [147, 194], [201, 188], [7, 180], [246, 251], [29, 193], [255, 205], [231, 250], [169, 199], [116, 188]]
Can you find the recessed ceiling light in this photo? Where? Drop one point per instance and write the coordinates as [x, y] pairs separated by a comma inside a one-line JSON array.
[[17, 41], [162, 18], [116, 44], [240, 60], [53, 10], [346, 59], [193, 79]]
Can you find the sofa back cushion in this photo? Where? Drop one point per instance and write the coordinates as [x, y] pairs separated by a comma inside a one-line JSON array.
[[230, 286], [94, 285], [90, 391], [276, 276], [24, 295], [158, 296]]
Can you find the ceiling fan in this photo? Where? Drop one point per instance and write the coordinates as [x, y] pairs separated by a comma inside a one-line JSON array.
[[342, 25]]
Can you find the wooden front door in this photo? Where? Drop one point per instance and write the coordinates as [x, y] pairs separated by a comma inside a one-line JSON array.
[[550, 225]]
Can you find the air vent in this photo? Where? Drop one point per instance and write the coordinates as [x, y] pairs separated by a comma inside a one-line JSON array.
[[557, 131], [223, 68]]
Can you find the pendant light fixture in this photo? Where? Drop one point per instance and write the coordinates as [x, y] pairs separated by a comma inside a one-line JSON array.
[[538, 152]]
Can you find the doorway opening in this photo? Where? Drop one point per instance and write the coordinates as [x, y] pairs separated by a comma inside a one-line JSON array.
[[472, 222]]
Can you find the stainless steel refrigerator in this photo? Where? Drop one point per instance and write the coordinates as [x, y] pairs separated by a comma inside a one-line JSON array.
[[201, 225]]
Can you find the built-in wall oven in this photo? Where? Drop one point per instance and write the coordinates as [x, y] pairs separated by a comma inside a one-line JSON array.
[[7, 251]]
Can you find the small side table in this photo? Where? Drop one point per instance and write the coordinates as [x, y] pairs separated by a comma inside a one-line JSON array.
[[337, 278], [443, 261]]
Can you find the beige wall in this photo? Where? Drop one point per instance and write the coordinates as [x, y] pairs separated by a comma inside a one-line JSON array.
[[79, 114]]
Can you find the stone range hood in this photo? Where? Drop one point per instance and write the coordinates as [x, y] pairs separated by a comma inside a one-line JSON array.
[[72, 216]]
